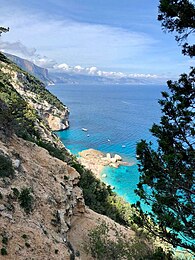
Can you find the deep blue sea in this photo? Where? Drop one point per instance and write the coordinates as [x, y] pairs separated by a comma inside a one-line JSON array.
[[116, 117]]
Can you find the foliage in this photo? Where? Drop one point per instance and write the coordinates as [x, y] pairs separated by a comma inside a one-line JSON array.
[[167, 174], [31, 84], [27, 244], [6, 168], [26, 200], [5, 239], [24, 236], [178, 16], [38, 87], [15, 113], [4, 59], [102, 247], [3, 251]]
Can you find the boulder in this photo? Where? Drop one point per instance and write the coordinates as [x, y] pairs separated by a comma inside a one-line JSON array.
[[118, 157]]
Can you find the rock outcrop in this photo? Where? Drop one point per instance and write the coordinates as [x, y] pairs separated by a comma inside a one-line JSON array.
[[56, 197]]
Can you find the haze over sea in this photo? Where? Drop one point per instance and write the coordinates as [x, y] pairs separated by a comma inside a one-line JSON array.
[[117, 117]]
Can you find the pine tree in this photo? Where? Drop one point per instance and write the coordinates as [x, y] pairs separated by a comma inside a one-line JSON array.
[[167, 173]]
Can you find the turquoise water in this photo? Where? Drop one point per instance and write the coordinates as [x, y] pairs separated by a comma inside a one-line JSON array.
[[116, 117], [122, 114]]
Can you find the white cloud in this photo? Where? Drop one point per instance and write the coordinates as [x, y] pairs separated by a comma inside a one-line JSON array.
[[44, 62], [94, 71], [78, 69], [62, 67]]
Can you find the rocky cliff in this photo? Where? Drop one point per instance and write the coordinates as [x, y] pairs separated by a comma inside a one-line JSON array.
[[37, 202]]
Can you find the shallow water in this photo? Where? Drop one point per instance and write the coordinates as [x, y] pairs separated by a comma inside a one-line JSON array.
[[116, 117]]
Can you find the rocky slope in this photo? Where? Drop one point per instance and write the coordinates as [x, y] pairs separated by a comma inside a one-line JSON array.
[[38, 231]]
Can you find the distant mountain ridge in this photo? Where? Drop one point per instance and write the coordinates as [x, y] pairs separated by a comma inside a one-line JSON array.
[[41, 73], [83, 79], [72, 78]]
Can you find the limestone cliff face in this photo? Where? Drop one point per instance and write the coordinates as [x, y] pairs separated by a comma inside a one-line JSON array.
[[42, 234], [55, 114]]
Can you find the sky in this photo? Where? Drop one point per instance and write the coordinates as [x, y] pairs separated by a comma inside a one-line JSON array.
[[100, 37]]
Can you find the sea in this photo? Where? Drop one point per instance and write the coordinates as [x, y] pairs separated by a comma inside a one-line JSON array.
[[117, 118]]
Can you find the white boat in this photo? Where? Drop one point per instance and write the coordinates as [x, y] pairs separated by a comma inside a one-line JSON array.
[[84, 129], [123, 146], [108, 140]]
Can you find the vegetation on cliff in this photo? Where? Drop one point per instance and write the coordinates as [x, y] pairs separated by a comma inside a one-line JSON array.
[[31, 84], [167, 181]]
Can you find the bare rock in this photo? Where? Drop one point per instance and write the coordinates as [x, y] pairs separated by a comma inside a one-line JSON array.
[[16, 163]]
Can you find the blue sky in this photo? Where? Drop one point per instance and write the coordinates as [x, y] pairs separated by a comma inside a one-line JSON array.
[[109, 35]]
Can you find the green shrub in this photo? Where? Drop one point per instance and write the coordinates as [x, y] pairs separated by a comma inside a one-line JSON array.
[[27, 244], [3, 251], [6, 168], [26, 200], [102, 247], [31, 84], [24, 236], [16, 192], [5, 240], [15, 114]]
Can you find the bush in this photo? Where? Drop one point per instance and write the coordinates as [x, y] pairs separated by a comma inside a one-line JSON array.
[[27, 244], [16, 193], [3, 251], [24, 236], [5, 240], [26, 200], [102, 247], [6, 168]]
